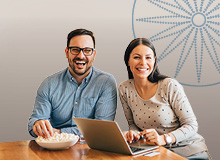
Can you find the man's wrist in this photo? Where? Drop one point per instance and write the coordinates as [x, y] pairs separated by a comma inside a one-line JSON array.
[[57, 130]]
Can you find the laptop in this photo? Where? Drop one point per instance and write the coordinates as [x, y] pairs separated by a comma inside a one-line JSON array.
[[107, 136]]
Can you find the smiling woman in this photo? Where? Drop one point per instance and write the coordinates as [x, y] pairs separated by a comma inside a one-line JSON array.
[[141, 61], [156, 106]]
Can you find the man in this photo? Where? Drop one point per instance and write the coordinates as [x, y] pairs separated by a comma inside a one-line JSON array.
[[80, 90]]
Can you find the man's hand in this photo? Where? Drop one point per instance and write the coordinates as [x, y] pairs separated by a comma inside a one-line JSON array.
[[56, 130], [43, 128]]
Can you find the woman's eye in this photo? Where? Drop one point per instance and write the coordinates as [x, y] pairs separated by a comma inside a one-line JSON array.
[[148, 57], [136, 57]]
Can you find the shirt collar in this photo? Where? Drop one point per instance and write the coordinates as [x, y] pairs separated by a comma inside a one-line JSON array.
[[86, 79]]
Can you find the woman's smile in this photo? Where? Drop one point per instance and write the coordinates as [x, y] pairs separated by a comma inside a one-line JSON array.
[[141, 61]]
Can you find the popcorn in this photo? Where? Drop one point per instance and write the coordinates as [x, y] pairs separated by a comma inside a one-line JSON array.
[[63, 137]]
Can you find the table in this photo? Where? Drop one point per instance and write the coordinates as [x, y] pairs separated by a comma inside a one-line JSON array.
[[30, 150]]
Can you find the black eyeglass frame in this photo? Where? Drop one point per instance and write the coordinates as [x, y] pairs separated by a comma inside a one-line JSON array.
[[81, 49]]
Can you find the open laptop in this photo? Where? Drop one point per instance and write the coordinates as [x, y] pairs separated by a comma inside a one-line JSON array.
[[107, 136]]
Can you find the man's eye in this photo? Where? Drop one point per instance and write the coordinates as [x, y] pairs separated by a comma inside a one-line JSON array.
[[75, 50], [87, 50]]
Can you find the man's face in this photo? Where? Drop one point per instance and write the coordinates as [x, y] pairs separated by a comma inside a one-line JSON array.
[[80, 64]]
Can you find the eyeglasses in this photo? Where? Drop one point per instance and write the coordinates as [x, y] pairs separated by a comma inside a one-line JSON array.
[[86, 51]]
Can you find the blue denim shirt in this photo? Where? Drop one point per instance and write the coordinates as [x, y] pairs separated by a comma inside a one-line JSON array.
[[59, 98]]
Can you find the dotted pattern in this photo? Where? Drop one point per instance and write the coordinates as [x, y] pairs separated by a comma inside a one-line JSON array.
[[209, 11], [201, 6], [208, 5], [180, 62], [164, 8], [217, 64], [165, 53], [195, 3], [213, 10], [188, 5], [167, 111]]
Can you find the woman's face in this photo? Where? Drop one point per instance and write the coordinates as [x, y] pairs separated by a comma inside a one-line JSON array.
[[141, 61]]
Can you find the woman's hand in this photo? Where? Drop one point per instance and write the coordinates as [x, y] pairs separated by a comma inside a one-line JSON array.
[[131, 136], [153, 138]]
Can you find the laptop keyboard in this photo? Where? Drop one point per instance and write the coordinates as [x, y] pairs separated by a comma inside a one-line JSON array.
[[135, 149]]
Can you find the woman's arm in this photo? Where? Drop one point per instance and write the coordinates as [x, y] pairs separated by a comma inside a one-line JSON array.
[[127, 109], [183, 110]]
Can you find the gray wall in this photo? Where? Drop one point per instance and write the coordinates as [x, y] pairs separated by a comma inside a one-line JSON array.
[[32, 42]]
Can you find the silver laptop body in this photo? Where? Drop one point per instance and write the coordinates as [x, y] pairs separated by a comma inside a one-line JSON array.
[[107, 136]]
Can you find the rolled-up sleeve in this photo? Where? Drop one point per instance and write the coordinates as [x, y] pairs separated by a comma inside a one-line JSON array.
[[42, 107]]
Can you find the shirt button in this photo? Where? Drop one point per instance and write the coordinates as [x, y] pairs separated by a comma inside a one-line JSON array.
[[76, 102]]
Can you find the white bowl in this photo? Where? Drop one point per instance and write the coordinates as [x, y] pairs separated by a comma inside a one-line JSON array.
[[57, 145]]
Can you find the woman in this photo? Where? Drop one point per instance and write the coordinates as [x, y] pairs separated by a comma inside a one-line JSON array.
[[156, 106]]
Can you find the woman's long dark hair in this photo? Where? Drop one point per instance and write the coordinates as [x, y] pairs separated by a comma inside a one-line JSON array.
[[155, 75]]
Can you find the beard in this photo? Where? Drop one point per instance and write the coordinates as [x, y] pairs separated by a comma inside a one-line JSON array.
[[74, 68], [79, 73]]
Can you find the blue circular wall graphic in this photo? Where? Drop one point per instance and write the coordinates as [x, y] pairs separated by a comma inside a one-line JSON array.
[[186, 35]]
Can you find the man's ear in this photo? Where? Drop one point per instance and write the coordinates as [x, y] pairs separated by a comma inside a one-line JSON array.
[[94, 54], [66, 51]]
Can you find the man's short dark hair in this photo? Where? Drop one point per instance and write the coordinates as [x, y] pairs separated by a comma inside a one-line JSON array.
[[80, 32]]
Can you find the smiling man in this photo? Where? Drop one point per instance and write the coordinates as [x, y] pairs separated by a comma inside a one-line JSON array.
[[80, 90]]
